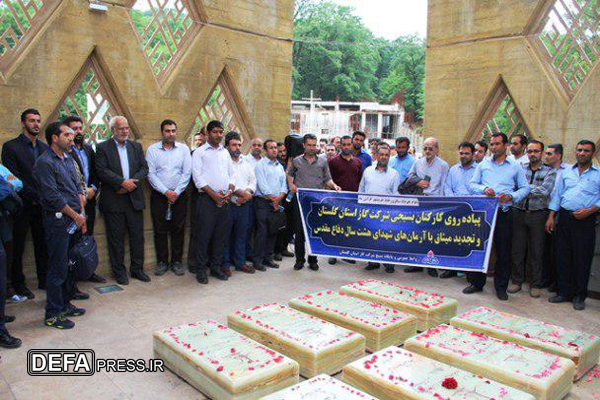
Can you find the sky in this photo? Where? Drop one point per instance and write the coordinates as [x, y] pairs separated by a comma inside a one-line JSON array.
[[391, 18]]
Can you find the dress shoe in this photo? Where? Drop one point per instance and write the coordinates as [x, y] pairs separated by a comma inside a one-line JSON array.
[[246, 269], [432, 272], [160, 269], [298, 266], [410, 270], [122, 280], [219, 275], [313, 266], [559, 299], [140, 275], [97, 279], [513, 288], [332, 261], [201, 278], [472, 289], [9, 318], [227, 272], [579, 304], [535, 292], [552, 288], [192, 269], [501, 295], [270, 264], [287, 253], [349, 261], [259, 267], [448, 274], [24, 291], [277, 257], [178, 269], [79, 295], [372, 266], [389, 270], [7, 341]]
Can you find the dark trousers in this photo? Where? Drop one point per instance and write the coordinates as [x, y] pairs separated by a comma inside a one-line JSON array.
[[59, 283], [285, 234], [502, 243], [175, 228], [193, 223], [528, 235], [212, 223], [3, 270], [299, 232], [549, 273], [576, 241], [90, 214], [236, 236], [117, 223], [29, 217], [264, 241], [251, 231]]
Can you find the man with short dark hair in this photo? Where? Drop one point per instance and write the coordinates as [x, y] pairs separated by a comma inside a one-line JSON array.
[[576, 199], [335, 140], [213, 176], [518, 146], [199, 138], [505, 179], [358, 141], [481, 148], [169, 171], [284, 236], [330, 151], [236, 235], [529, 217], [322, 144], [307, 171], [19, 156], [62, 199], [403, 161]]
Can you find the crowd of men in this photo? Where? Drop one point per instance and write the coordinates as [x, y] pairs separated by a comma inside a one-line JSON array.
[[245, 212]]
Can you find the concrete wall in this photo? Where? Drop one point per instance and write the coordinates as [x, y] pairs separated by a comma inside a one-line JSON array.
[[251, 39], [470, 44]]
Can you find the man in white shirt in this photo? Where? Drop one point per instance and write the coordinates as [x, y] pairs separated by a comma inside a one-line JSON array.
[[170, 168], [253, 157], [380, 178], [518, 145], [255, 154], [234, 250], [213, 172]]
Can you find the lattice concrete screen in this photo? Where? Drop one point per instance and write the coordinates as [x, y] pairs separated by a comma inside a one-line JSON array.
[[165, 29], [20, 21], [499, 113], [92, 98], [569, 40]]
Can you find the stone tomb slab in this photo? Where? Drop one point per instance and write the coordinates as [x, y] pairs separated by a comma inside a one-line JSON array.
[[321, 387], [431, 309], [318, 346], [582, 348], [394, 373], [382, 326], [223, 364], [544, 375]]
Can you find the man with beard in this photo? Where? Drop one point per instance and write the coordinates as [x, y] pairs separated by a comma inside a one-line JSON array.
[[358, 141], [336, 141], [284, 236], [236, 235], [307, 171], [380, 178], [19, 156], [518, 145], [346, 172], [403, 161], [481, 148], [529, 217], [253, 157], [169, 171], [62, 198], [576, 199], [214, 178]]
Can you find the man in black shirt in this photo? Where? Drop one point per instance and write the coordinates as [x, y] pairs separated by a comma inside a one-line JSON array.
[[19, 156]]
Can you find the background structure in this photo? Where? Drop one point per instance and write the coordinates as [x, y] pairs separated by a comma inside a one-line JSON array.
[[187, 60]]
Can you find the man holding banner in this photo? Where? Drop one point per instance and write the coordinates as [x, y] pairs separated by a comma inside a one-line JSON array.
[[310, 172], [505, 179]]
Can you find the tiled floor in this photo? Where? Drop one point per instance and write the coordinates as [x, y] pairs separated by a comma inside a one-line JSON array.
[[121, 324]]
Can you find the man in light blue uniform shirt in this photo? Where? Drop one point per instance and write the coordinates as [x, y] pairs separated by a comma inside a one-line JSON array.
[[499, 177], [576, 199], [403, 161]]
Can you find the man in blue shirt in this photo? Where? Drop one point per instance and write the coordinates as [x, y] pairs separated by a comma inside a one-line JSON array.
[[499, 177], [576, 199], [403, 161], [358, 141]]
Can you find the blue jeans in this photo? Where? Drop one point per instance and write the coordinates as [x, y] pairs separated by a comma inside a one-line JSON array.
[[234, 251], [59, 279]]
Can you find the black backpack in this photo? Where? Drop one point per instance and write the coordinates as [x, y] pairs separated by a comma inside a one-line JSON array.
[[84, 256]]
